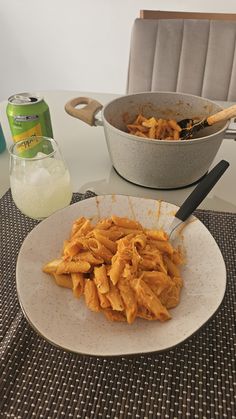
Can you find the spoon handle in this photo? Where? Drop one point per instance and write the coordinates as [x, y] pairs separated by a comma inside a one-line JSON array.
[[201, 190], [222, 115]]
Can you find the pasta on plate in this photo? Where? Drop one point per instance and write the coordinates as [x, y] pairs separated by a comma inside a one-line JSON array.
[[120, 268]]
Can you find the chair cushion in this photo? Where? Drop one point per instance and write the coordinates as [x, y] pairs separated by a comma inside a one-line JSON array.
[[188, 56]]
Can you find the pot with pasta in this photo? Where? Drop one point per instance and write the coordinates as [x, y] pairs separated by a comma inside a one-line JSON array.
[[142, 132]]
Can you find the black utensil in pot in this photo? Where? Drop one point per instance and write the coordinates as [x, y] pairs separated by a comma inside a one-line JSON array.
[[191, 126]]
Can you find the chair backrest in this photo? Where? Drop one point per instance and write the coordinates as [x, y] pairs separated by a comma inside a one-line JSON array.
[[161, 14], [184, 52]]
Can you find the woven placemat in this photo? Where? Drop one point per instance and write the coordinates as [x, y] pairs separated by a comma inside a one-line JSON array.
[[196, 379]]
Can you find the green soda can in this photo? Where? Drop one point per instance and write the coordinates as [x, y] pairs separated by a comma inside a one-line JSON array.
[[28, 117]]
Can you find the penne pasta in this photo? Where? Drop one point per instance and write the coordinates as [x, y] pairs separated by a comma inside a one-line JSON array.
[[116, 270], [149, 300], [177, 258], [99, 249], [172, 269], [72, 267], [101, 279], [78, 283], [126, 223], [155, 128], [63, 280], [104, 224], [113, 233], [129, 299], [163, 246], [105, 241], [152, 260], [157, 235], [124, 231], [103, 300], [52, 266], [89, 257], [71, 248], [144, 313], [114, 298], [178, 281], [77, 224], [91, 296], [120, 268], [114, 316], [157, 281], [139, 241], [170, 297], [85, 228]]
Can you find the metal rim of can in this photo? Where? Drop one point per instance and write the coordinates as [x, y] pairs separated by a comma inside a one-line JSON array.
[[25, 95]]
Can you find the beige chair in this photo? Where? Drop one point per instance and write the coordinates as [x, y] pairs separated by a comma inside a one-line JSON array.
[[184, 52], [161, 14]]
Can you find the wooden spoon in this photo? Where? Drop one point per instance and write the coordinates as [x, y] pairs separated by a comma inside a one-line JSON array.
[[192, 126]]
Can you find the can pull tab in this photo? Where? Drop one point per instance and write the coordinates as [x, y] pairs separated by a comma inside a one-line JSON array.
[[20, 99]]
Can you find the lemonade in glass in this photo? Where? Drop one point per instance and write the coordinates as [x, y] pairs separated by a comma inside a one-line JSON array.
[[40, 185]]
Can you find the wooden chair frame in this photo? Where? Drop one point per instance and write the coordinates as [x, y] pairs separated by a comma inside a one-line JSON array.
[[161, 14]]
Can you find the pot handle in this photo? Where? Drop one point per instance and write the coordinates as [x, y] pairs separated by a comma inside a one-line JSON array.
[[87, 113]]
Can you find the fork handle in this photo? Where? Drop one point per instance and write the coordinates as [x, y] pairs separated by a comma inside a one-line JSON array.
[[201, 191]]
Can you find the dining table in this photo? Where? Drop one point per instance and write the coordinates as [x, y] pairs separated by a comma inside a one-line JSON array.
[[194, 379]]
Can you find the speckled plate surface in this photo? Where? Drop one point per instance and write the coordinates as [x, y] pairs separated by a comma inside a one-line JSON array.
[[66, 322]]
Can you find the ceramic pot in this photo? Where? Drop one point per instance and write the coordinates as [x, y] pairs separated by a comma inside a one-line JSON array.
[[161, 164]]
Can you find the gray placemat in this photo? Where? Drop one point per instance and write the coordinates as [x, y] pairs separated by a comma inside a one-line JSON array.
[[196, 379]]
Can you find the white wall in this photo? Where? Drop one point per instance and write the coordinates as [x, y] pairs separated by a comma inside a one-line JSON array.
[[74, 44]]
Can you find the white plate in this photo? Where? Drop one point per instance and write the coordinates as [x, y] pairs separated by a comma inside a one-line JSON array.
[[66, 322]]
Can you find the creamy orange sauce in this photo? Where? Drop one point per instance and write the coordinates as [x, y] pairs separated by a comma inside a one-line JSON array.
[[159, 202], [131, 208], [97, 200]]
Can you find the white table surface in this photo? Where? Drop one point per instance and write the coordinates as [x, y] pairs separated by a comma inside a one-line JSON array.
[[85, 151]]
